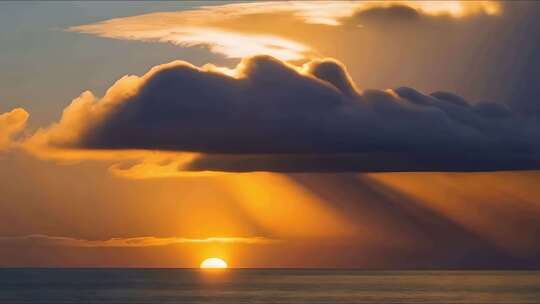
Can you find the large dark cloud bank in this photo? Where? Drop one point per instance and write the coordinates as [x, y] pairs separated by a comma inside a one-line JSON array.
[[274, 118]]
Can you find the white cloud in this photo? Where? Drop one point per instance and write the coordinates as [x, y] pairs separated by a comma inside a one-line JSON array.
[[202, 26]]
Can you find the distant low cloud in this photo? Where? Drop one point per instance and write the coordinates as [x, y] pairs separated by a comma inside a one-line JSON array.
[[267, 115], [11, 123], [145, 241]]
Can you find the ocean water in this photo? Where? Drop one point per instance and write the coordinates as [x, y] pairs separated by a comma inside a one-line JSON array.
[[266, 286]]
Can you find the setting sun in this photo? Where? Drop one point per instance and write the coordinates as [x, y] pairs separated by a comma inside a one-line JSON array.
[[213, 263]]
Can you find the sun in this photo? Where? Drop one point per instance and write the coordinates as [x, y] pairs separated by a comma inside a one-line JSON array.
[[213, 263]]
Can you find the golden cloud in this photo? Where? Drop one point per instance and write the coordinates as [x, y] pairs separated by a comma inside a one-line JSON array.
[[144, 241], [11, 123], [204, 25]]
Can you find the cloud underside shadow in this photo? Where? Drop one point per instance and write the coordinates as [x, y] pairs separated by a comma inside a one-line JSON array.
[[376, 162]]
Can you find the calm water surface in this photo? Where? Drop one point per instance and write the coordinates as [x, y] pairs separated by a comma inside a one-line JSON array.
[[266, 286]]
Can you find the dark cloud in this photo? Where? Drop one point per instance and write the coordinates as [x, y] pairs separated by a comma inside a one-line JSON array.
[[394, 13], [481, 55], [275, 117]]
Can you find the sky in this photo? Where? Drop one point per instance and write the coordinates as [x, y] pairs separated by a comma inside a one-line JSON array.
[[357, 134]]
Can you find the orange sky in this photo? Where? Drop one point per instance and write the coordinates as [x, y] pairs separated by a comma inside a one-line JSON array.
[[68, 207]]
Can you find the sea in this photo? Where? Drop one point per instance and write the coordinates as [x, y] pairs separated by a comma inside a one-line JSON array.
[[266, 286]]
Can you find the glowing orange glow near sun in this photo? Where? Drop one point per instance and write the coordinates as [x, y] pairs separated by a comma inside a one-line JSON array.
[[213, 263]]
